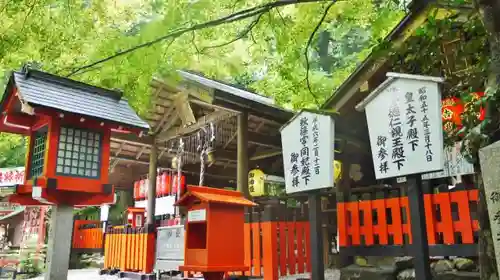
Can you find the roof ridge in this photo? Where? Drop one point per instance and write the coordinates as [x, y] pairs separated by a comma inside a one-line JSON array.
[[48, 77]]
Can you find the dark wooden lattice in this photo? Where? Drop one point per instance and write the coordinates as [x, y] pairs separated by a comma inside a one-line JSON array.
[[38, 154], [79, 153]]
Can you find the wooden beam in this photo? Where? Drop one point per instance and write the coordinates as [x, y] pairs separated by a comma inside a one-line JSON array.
[[184, 109], [230, 140], [168, 113], [143, 149], [212, 171], [171, 122], [115, 161], [221, 155], [264, 140], [264, 155], [132, 139], [179, 131]]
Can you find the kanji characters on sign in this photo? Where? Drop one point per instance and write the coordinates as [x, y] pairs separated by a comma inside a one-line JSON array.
[[405, 125], [308, 148]]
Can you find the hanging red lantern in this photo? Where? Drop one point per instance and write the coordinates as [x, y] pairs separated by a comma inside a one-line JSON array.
[[179, 191], [137, 189], [146, 187], [165, 184], [451, 110], [475, 96], [142, 190], [158, 185]]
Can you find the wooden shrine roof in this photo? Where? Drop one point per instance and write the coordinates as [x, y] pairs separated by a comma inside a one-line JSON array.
[[42, 89], [181, 109]]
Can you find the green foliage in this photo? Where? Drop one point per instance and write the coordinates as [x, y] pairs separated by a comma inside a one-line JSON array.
[[61, 35], [12, 150], [32, 258], [88, 213], [457, 49], [117, 211]]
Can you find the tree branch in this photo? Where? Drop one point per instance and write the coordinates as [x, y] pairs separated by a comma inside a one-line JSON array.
[[243, 14], [193, 41], [244, 33], [30, 10], [306, 51]]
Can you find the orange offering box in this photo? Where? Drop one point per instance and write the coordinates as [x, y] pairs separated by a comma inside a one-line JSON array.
[[214, 229]]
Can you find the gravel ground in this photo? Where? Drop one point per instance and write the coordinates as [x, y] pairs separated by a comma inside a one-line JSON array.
[[92, 274]]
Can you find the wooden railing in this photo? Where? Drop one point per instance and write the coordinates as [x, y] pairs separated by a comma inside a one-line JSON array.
[[379, 224], [88, 236], [130, 249], [276, 242]]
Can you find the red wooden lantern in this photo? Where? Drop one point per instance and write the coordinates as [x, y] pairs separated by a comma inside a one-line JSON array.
[[69, 125]]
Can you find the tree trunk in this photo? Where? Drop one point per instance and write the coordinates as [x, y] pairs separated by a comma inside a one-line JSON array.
[[489, 11]]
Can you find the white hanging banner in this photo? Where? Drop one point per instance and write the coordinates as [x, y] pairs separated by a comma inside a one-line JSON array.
[[163, 205], [10, 177], [308, 151], [104, 212], [454, 165], [405, 125]]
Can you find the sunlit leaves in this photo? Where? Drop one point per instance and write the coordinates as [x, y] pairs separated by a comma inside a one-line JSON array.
[[67, 34]]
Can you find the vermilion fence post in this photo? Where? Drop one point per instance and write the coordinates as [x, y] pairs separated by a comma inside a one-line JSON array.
[[366, 227], [248, 241], [270, 243], [301, 227], [256, 245]]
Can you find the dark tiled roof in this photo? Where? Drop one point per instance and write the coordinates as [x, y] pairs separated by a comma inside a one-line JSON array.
[[47, 90]]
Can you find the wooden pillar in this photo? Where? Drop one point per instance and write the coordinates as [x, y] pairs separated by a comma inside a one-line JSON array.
[[242, 173], [153, 166], [343, 190]]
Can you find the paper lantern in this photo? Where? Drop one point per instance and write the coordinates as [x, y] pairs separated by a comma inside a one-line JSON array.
[[142, 190], [179, 191], [145, 188], [256, 184], [158, 185], [475, 96], [166, 183], [137, 189], [451, 111], [337, 171]]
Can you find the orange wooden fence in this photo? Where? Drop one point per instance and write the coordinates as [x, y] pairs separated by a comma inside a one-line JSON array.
[[368, 226], [87, 235], [276, 243], [130, 249]]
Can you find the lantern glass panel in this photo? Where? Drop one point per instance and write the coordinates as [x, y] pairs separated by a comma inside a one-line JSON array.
[[81, 157], [38, 153]]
